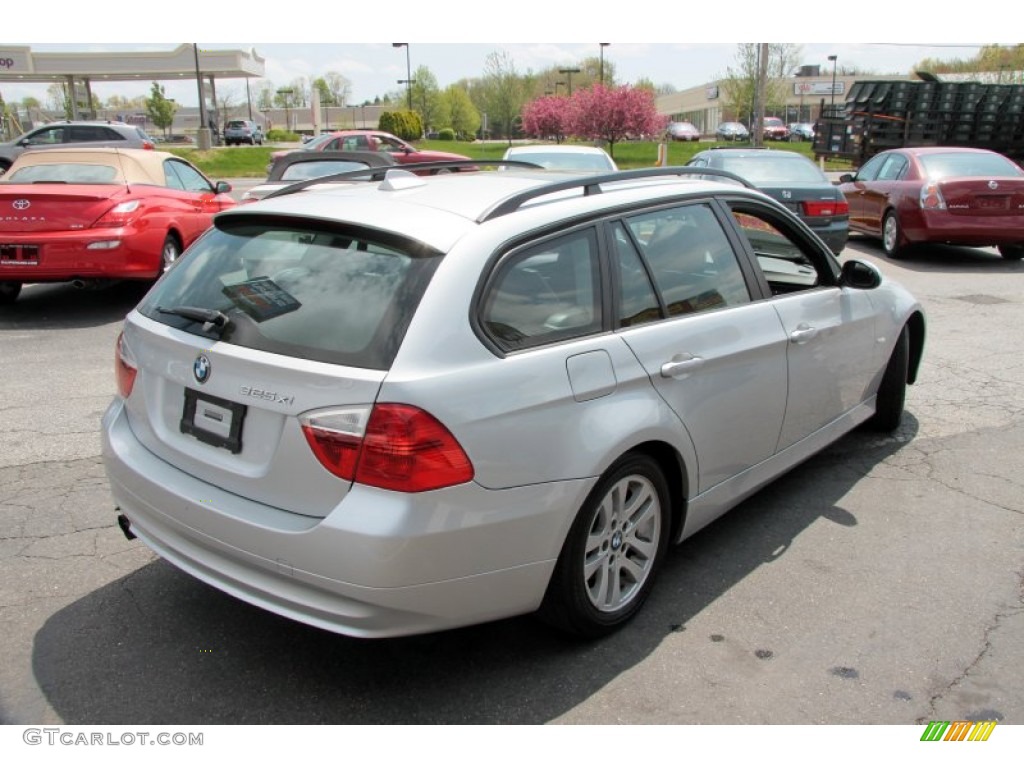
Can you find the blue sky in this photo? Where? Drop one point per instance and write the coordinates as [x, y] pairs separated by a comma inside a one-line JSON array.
[[332, 39]]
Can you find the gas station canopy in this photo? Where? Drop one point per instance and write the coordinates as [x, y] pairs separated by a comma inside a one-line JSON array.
[[20, 64]]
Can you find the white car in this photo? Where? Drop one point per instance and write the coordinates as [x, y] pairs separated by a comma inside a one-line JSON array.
[[563, 157], [420, 402]]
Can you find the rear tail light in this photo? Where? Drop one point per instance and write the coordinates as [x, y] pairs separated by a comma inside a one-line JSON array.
[[931, 197], [148, 145], [393, 446], [125, 368], [826, 208], [118, 216]]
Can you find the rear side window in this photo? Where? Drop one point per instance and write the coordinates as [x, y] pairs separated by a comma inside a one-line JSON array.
[[329, 295], [546, 293]]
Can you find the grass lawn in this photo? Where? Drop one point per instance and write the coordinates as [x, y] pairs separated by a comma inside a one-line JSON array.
[[251, 162]]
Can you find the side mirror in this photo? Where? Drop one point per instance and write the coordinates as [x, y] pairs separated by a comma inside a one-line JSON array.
[[223, 187], [846, 178], [860, 274]]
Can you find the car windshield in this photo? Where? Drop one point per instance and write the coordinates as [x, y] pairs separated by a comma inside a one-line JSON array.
[[236, 124], [318, 142], [327, 294], [64, 173], [773, 168], [943, 166]]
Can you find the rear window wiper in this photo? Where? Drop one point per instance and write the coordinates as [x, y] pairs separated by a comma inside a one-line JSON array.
[[210, 318]]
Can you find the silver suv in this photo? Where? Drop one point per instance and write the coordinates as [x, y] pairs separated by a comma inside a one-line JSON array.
[[68, 134], [418, 402], [243, 132]]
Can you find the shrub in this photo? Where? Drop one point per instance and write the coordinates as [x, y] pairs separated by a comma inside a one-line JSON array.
[[446, 134], [279, 134]]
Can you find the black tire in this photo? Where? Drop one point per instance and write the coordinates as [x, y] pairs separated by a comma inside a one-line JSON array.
[[4, 167], [1011, 252], [169, 253], [613, 552], [892, 392], [892, 234], [9, 291]]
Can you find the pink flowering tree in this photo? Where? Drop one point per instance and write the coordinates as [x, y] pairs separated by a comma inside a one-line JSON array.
[[613, 114], [547, 116]]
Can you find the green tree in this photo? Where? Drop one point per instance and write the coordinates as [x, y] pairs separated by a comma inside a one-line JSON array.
[[503, 92], [426, 96], [58, 99], [458, 113], [159, 108], [740, 82], [993, 63]]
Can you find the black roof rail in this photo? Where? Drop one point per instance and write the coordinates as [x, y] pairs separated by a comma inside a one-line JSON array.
[[379, 173], [591, 185]]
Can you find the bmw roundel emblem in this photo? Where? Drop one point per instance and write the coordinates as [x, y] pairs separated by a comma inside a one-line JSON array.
[[201, 368]]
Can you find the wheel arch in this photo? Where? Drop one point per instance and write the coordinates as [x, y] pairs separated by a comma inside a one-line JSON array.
[[915, 325], [674, 468]]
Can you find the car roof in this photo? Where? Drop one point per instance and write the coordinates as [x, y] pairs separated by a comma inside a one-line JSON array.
[[439, 210], [135, 166]]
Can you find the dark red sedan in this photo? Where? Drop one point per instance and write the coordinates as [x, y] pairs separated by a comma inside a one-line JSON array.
[[402, 152], [952, 195], [100, 214]]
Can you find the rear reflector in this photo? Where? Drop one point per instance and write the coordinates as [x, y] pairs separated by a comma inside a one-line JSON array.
[[826, 208], [124, 367], [389, 445]]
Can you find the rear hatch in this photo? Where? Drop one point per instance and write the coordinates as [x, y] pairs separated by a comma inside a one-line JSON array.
[[55, 207], [259, 324]]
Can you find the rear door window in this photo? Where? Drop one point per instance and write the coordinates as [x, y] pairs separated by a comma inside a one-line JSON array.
[[545, 293], [331, 295]]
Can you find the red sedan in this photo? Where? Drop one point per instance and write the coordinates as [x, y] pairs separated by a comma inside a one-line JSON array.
[[402, 152], [952, 195], [98, 214]]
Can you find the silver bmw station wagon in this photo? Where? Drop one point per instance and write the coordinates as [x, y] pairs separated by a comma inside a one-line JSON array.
[[409, 403]]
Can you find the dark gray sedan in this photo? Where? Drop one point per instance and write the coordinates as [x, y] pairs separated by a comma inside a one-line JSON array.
[[793, 180]]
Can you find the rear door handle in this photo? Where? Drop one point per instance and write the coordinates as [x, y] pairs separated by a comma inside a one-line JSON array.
[[680, 365], [803, 333]]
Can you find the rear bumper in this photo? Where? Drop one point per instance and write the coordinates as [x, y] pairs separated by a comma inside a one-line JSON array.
[[96, 253], [380, 564], [962, 229]]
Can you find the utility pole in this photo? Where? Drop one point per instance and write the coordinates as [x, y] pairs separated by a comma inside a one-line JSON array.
[[759, 88]]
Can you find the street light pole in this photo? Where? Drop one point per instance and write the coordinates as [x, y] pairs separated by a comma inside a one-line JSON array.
[[568, 72], [833, 59], [408, 73], [603, 46]]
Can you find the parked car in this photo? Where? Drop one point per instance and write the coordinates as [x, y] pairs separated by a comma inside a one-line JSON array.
[[301, 166], [87, 215], [243, 132], [563, 157], [774, 130], [370, 141], [80, 133], [679, 131], [424, 402], [732, 131], [952, 195], [792, 179], [801, 131]]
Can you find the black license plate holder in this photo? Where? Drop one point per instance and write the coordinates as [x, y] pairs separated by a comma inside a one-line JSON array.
[[213, 420]]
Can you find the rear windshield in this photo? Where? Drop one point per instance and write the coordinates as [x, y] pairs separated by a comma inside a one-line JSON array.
[[942, 166], [330, 295], [237, 124], [771, 168], [65, 173]]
